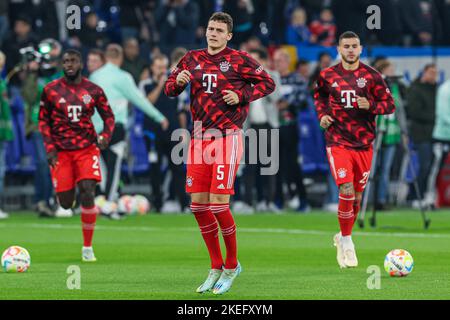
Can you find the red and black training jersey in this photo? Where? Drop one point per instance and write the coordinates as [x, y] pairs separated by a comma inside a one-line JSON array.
[[65, 115], [335, 95], [211, 75]]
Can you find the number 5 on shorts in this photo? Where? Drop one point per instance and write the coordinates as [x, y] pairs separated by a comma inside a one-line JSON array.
[[220, 174]]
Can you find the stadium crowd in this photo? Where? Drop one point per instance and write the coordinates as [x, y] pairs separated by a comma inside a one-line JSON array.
[[145, 39]]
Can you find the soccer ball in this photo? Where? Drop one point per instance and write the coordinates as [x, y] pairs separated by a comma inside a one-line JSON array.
[[16, 259], [127, 204], [142, 205], [398, 263], [105, 206]]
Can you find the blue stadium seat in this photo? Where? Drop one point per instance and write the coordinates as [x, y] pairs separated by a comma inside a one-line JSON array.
[[138, 154], [312, 144]]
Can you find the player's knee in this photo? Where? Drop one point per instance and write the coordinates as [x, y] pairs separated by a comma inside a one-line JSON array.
[[219, 198], [347, 188]]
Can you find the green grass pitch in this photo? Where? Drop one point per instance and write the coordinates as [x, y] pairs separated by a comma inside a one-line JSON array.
[[288, 256]]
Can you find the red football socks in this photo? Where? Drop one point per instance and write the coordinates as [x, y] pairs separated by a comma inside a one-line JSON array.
[[345, 213], [356, 207], [210, 230], [88, 218], [228, 227]]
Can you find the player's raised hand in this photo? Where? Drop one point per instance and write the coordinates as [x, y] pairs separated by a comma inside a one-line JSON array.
[[183, 78], [101, 142], [363, 103], [326, 121], [52, 158], [230, 97]]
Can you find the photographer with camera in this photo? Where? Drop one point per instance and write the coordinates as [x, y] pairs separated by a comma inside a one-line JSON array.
[[391, 131], [41, 67]]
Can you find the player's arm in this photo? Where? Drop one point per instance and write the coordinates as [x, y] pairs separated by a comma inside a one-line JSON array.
[[107, 115], [261, 83], [321, 98], [382, 102], [178, 79], [45, 124], [137, 98]]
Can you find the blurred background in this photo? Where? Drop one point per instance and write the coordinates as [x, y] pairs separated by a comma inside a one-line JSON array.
[[294, 39]]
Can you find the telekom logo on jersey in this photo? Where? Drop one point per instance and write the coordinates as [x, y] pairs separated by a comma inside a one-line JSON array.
[[211, 81], [348, 97], [74, 112]]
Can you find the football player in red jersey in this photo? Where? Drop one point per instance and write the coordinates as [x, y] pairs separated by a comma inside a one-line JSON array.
[[348, 96], [72, 145], [223, 82]]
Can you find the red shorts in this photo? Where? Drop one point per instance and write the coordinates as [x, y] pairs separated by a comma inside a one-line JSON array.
[[212, 164], [74, 166], [350, 166]]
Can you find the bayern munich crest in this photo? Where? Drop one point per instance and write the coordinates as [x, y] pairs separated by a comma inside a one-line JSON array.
[[224, 66], [342, 172], [361, 82], [189, 181], [86, 98]]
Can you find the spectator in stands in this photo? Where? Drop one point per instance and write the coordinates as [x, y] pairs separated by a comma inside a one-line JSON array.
[[131, 18], [242, 12], [92, 35], [302, 68], [324, 61], [421, 21], [4, 23], [162, 144], [177, 21], [294, 97], [6, 132], [323, 30], [22, 36], [263, 116], [441, 141], [387, 126], [132, 62], [95, 60], [351, 15], [119, 88], [297, 32], [183, 99], [34, 82], [421, 111]]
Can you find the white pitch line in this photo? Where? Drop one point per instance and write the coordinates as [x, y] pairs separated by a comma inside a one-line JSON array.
[[245, 230]]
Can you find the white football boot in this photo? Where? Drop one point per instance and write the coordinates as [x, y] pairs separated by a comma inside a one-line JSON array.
[[350, 259], [213, 276], [87, 254], [340, 251], [226, 279]]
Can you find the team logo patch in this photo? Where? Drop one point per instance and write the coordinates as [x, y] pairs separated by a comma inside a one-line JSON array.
[[86, 98], [224, 66], [342, 173], [361, 82], [189, 181]]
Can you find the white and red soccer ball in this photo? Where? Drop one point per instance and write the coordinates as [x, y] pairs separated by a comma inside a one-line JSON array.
[[16, 259], [398, 263]]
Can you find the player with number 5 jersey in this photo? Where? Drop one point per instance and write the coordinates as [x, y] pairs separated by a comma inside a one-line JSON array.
[[222, 82], [71, 142], [348, 96]]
